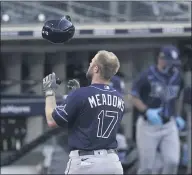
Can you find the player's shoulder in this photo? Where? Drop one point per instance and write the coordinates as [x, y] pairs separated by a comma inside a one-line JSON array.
[[150, 69], [82, 92], [95, 89], [115, 92], [77, 95], [78, 91]]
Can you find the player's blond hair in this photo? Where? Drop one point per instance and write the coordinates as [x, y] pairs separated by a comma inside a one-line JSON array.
[[108, 64]]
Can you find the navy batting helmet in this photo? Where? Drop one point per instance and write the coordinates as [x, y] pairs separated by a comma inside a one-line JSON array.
[[58, 31], [171, 55]]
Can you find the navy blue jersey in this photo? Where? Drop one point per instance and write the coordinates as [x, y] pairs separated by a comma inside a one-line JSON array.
[[93, 114], [118, 84], [158, 90]]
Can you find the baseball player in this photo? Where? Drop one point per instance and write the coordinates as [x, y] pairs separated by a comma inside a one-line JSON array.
[[93, 115], [155, 94]]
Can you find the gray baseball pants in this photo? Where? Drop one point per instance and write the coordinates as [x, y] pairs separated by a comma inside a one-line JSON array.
[[149, 138], [99, 163]]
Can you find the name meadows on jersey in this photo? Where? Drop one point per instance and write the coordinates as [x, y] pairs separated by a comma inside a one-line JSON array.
[[106, 99]]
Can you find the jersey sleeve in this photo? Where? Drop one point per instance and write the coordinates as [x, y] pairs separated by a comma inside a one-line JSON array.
[[138, 84], [68, 110]]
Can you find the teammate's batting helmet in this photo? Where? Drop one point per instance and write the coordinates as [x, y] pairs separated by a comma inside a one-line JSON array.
[[171, 55], [58, 31]]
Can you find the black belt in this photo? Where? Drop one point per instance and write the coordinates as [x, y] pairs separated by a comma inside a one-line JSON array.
[[86, 153], [164, 119]]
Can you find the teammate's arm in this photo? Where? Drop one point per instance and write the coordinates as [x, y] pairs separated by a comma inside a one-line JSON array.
[[139, 104], [135, 92], [139, 86]]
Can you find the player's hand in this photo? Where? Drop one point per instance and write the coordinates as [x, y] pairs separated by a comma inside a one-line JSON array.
[[180, 122], [49, 84], [73, 84], [153, 116]]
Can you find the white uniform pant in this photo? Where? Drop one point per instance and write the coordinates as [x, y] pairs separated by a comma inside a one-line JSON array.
[[101, 162]]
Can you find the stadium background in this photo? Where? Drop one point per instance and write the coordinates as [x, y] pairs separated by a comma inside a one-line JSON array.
[[133, 30]]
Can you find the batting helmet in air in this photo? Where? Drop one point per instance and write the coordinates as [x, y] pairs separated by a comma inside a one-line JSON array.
[[58, 31]]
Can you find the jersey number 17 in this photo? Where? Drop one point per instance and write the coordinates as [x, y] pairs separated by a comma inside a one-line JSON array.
[[112, 117]]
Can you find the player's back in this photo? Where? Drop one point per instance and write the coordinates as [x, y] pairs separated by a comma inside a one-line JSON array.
[[98, 120]]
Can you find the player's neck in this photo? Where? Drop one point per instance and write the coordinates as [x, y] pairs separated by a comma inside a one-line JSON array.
[[99, 81]]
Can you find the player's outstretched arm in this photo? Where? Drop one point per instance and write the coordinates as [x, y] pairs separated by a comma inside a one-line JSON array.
[[58, 115], [49, 88], [50, 105], [69, 109]]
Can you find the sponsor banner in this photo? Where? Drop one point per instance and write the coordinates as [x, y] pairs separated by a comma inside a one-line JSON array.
[[23, 106], [30, 109]]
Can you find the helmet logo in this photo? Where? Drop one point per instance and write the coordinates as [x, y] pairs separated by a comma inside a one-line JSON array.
[[174, 54]]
